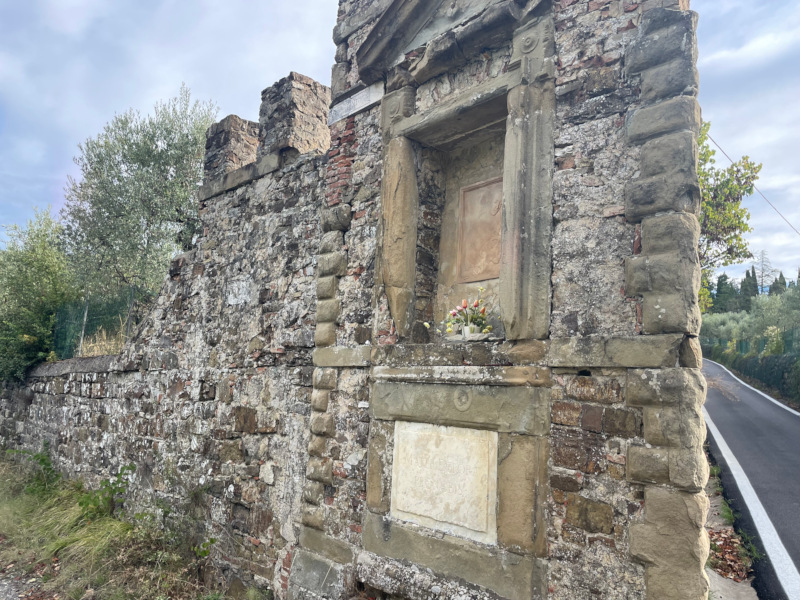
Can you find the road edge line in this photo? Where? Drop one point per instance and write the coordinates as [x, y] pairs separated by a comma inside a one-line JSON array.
[[767, 396], [785, 569]]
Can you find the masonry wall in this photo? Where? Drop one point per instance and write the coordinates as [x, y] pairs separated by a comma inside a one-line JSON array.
[[269, 379]]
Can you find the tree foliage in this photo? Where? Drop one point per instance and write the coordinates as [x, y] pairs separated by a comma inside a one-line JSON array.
[[135, 203], [35, 280], [723, 219]]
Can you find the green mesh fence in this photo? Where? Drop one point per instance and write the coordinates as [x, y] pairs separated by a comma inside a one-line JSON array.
[[108, 313]]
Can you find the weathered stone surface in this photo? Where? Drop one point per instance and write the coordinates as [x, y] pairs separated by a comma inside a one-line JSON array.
[[676, 78], [330, 548], [663, 45], [591, 516], [323, 424], [510, 575], [377, 495], [691, 356], [319, 400], [530, 376], [661, 193], [668, 313], [230, 144], [326, 287], [527, 212], [649, 351], [320, 469], [508, 410], [648, 465], [521, 490], [336, 218], [340, 356], [332, 264], [317, 575], [445, 478], [674, 386], [678, 114], [328, 310], [673, 541], [401, 203], [294, 114], [325, 335], [324, 378]]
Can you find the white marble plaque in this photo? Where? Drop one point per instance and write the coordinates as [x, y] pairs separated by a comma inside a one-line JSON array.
[[445, 478], [356, 103]]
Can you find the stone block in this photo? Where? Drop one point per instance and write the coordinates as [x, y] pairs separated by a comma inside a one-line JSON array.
[[676, 78], [672, 541], [634, 351], [670, 313], [675, 234], [583, 451], [336, 218], [341, 356], [589, 515], [400, 197], [623, 423], [313, 492], [566, 413], [319, 543], [669, 13], [320, 469], [323, 424], [245, 419], [660, 193], [313, 516], [294, 114], [324, 379], [691, 355], [648, 387], [674, 153], [326, 287], [592, 418], [315, 577], [507, 410], [526, 351], [230, 144], [319, 400], [328, 311], [521, 491], [604, 390], [664, 273], [396, 106], [677, 114], [441, 54], [332, 240], [688, 468], [666, 44], [317, 446], [325, 334], [509, 575], [680, 426], [377, 495], [332, 264], [648, 465]]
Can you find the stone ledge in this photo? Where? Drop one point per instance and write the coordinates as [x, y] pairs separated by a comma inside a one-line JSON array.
[[505, 376], [503, 409], [510, 575], [92, 364], [263, 166], [635, 352], [341, 356], [319, 543]]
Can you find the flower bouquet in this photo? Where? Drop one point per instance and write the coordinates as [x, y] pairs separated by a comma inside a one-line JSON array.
[[469, 318]]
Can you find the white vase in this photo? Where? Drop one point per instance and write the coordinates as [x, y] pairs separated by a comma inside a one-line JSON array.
[[468, 331]]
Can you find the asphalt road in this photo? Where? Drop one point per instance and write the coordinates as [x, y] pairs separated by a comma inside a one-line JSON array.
[[764, 441]]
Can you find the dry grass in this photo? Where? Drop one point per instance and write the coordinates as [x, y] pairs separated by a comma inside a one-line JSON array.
[[103, 343], [72, 554]]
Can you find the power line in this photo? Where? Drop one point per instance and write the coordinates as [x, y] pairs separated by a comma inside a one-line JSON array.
[[756, 188]]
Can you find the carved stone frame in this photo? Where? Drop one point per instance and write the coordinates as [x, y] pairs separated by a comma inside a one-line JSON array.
[[525, 97]]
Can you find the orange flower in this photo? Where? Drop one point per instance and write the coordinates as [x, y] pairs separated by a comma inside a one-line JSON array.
[[483, 310], [464, 303]]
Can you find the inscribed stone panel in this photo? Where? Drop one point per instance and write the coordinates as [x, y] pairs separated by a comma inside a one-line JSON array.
[[479, 231], [445, 478]]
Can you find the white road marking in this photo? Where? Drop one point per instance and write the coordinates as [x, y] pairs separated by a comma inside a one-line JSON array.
[[781, 561], [770, 398]]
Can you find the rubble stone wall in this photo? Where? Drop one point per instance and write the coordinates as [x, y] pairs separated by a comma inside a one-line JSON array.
[[290, 352]]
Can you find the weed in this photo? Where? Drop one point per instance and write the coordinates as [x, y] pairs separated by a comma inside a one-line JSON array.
[[748, 548], [109, 497], [204, 549], [44, 477], [726, 512], [714, 470]]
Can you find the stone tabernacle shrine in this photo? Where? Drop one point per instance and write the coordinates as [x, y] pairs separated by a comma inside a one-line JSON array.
[[285, 378]]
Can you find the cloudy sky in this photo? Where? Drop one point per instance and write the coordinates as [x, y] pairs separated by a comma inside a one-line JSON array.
[[67, 66]]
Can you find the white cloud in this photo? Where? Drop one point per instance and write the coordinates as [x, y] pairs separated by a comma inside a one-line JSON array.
[[72, 17], [757, 51]]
